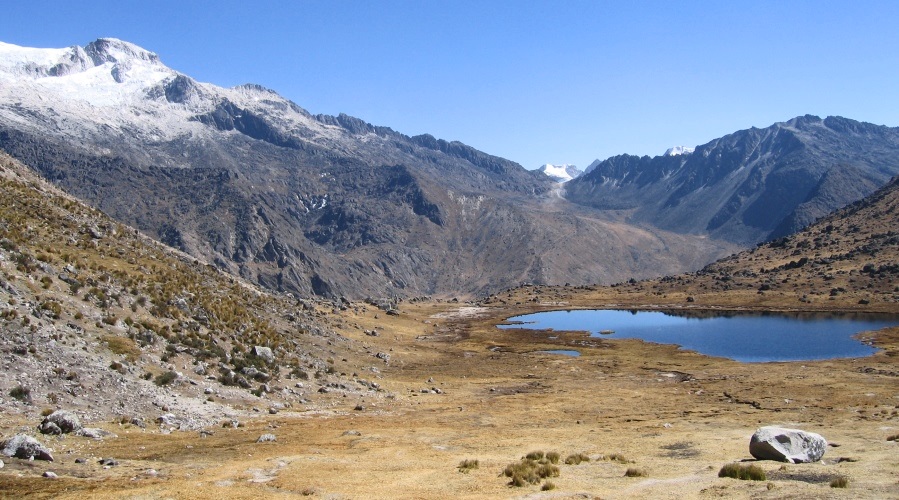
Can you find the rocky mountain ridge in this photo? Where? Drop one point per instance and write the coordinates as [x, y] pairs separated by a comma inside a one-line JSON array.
[[316, 205], [751, 185]]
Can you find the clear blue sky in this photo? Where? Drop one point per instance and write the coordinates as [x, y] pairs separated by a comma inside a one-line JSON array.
[[555, 81]]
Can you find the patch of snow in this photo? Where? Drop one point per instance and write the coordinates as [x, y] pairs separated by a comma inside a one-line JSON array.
[[679, 150], [561, 173]]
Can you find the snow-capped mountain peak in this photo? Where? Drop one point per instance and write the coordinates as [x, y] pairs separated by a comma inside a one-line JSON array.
[[560, 173], [113, 50], [679, 150]]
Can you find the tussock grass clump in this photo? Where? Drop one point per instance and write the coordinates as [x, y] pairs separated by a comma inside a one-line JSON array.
[[549, 485], [123, 346], [530, 471], [576, 459], [840, 482], [468, 465], [553, 457], [617, 457], [743, 472], [634, 472]]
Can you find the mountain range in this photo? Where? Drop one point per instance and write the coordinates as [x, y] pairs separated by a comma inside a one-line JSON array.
[[252, 183], [749, 186], [327, 205]]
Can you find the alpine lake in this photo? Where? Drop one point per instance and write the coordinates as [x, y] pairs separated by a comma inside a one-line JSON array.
[[744, 337]]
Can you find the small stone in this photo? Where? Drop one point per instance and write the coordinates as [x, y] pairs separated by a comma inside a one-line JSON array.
[[359, 408], [108, 462], [93, 433], [80, 460], [266, 438], [50, 474]]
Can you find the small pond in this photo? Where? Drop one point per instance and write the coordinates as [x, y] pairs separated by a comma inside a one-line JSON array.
[[563, 352], [744, 337]]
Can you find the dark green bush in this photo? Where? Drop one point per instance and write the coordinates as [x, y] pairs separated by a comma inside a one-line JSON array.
[[165, 378], [21, 393]]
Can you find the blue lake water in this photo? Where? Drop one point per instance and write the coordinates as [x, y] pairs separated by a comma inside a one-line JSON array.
[[742, 337], [563, 352]]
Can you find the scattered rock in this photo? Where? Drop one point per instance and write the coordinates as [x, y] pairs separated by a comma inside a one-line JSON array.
[[265, 353], [80, 460], [60, 422], [787, 445], [49, 428], [93, 433], [352, 433], [138, 422], [50, 474], [1, 464], [359, 408], [168, 420], [265, 438], [108, 462], [23, 446]]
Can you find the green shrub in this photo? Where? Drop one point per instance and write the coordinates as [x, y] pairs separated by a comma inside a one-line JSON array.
[[468, 465], [165, 378], [21, 393], [744, 472]]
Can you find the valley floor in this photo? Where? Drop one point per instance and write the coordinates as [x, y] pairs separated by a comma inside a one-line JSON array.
[[463, 390]]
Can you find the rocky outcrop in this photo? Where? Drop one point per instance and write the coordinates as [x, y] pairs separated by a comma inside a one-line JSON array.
[[60, 422], [787, 445], [25, 447]]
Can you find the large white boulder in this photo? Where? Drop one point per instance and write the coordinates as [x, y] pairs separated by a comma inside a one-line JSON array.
[[787, 445]]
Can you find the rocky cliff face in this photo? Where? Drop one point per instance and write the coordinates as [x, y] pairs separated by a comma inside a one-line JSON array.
[[254, 184], [749, 186]]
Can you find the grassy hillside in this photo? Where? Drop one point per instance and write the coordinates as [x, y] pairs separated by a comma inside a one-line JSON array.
[[98, 317]]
